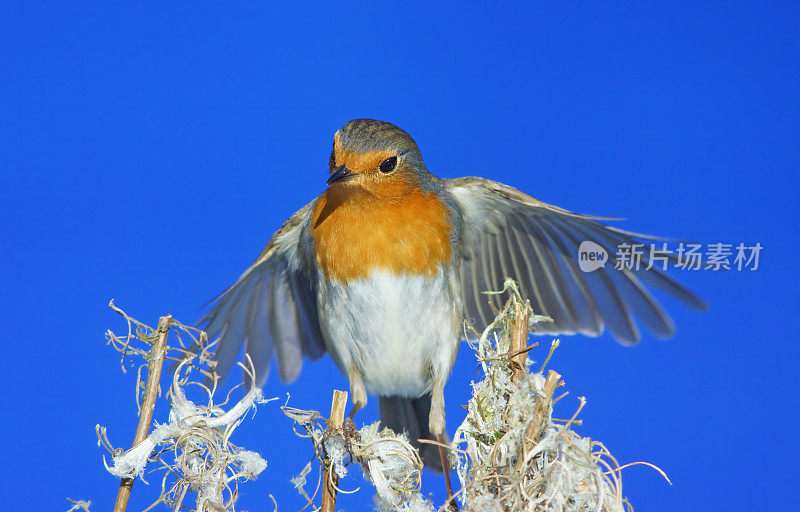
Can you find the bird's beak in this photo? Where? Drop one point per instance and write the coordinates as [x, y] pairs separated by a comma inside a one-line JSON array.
[[341, 173]]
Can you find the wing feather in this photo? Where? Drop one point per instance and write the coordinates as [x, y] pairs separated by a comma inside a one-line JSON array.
[[258, 343], [288, 345], [232, 333], [541, 297], [590, 320], [642, 304], [271, 309], [615, 310], [488, 282], [567, 315], [510, 234]]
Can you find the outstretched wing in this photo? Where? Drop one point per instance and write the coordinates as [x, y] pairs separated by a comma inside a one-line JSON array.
[[271, 308], [510, 234]]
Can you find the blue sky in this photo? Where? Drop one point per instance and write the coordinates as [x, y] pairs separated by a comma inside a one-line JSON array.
[[149, 151]]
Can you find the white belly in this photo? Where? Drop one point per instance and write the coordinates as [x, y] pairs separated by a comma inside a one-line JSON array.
[[398, 331]]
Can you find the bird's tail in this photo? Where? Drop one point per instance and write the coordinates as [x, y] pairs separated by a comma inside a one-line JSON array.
[[410, 415]]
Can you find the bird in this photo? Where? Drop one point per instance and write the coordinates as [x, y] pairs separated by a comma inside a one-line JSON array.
[[384, 267]]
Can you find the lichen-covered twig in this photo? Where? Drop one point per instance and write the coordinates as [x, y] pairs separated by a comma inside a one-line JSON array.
[[78, 505], [388, 460], [330, 478], [155, 361], [513, 456], [193, 448]]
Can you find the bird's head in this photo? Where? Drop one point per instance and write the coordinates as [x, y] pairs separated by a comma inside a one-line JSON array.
[[375, 156]]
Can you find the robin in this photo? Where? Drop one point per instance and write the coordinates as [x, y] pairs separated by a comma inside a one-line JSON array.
[[384, 266]]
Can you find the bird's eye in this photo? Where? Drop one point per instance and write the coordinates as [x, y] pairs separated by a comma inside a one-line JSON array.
[[388, 165]]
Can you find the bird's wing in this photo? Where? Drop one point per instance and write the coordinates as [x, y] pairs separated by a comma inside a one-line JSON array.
[[271, 308], [509, 234]]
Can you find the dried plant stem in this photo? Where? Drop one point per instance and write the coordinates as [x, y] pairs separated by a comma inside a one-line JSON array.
[[519, 338], [540, 413], [154, 365], [329, 478]]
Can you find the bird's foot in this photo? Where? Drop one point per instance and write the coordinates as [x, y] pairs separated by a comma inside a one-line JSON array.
[[436, 424], [451, 500], [358, 393]]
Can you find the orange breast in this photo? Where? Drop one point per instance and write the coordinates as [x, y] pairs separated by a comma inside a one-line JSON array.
[[402, 231]]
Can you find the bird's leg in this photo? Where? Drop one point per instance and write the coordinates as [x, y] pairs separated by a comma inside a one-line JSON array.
[[358, 393], [436, 425]]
